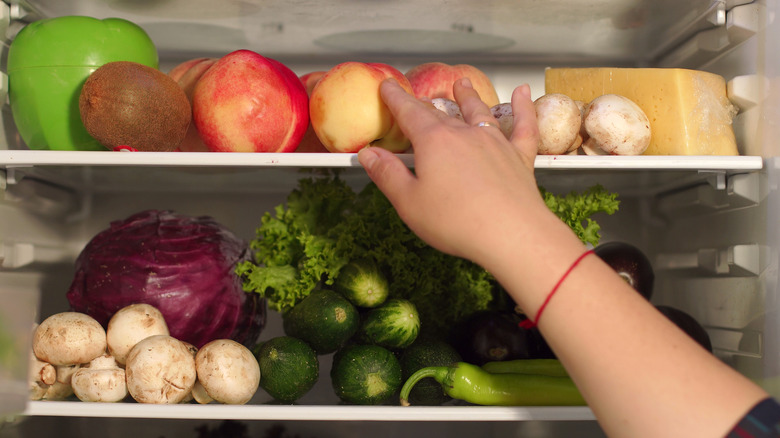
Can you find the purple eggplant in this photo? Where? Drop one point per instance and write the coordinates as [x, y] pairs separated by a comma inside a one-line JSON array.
[[630, 263], [688, 324]]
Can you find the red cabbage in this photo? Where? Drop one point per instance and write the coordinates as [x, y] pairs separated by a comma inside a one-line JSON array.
[[184, 266]]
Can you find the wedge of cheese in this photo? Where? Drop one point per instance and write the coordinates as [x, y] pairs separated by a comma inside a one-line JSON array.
[[689, 111]]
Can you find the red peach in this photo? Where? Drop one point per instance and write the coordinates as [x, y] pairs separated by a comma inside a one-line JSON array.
[[249, 103], [187, 75], [347, 111], [310, 142], [435, 79]]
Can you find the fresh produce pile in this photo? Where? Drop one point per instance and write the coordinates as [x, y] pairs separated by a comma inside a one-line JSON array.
[[325, 225], [136, 355], [246, 102], [180, 264], [350, 278]]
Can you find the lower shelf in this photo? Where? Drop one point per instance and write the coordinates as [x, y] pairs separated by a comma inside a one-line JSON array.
[[307, 412]]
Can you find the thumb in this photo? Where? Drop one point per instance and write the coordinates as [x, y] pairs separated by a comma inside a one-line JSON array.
[[387, 171]]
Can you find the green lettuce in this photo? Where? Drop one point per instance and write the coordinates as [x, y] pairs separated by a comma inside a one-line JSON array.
[[303, 244]]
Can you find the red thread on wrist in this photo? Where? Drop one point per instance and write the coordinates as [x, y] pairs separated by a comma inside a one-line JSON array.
[[528, 323]]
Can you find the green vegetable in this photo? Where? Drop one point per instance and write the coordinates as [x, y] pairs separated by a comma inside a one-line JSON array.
[[546, 367], [575, 210], [288, 368], [427, 351], [394, 324], [362, 282], [325, 320], [365, 374], [324, 225], [473, 384]]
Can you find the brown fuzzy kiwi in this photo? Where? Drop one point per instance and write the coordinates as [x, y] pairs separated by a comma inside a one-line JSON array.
[[129, 104]]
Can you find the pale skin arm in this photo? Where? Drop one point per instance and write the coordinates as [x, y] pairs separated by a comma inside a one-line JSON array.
[[474, 195]]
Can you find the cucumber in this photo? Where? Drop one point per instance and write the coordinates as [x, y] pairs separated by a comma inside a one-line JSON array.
[[288, 368], [394, 324], [365, 374], [427, 351], [362, 283], [324, 319]]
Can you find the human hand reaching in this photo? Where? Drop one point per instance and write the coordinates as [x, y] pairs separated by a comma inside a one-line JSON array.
[[469, 181]]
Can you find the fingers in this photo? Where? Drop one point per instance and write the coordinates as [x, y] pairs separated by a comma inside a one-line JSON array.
[[388, 172], [525, 132], [412, 115], [475, 111]]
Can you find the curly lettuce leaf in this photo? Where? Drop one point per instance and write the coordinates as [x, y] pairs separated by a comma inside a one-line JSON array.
[[324, 224], [575, 209]]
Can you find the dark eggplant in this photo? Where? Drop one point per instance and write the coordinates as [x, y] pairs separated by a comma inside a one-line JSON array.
[[491, 335], [688, 324], [630, 263]]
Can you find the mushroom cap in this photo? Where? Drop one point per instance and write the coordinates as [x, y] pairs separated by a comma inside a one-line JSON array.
[[101, 380], [69, 338], [559, 120], [505, 118], [160, 369], [228, 371], [617, 125], [131, 324]]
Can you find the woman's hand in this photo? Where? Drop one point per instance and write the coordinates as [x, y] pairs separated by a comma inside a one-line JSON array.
[[469, 180]]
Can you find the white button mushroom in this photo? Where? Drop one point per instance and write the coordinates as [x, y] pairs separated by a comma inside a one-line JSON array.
[[616, 125], [69, 338], [131, 324], [101, 380], [200, 395], [41, 376], [228, 371], [160, 369], [503, 115], [559, 120]]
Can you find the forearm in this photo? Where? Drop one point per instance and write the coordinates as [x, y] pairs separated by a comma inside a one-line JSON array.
[[613, 342]]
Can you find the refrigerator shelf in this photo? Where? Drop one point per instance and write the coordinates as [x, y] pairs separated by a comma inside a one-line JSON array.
[[28, 158], [308, 412]]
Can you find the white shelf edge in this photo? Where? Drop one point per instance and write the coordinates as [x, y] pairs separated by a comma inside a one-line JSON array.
[[27, 158], [308, 412]]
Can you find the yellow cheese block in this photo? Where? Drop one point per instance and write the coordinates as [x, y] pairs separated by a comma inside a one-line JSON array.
[[689, 111]]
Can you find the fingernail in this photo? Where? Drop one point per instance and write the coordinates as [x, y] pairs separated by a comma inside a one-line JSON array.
[[525, 90], [466, 83], [367, 157]]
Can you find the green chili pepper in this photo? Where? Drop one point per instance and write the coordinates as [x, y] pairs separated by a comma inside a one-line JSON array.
[[546, 367], [470, 383]]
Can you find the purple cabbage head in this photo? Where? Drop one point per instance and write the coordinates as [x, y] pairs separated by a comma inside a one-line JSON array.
[[184, 266]]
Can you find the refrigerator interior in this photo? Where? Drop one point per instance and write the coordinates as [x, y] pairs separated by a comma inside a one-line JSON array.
[[705, 222]]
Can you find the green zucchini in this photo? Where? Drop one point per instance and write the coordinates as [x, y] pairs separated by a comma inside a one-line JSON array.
[[365, 374], [324, 319], [288, 368]]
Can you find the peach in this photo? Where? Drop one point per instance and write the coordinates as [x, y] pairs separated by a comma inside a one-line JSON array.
[[249, 103], [310, 142], [347, 111], [310, 79], [187, 75], [435, 79]]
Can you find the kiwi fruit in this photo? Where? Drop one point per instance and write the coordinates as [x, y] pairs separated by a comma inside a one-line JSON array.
[[125, 103]]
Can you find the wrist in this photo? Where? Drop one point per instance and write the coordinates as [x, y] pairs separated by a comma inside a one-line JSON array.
[[528, 263]]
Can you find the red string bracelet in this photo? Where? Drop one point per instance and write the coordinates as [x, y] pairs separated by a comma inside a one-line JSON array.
[[528, 323]]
